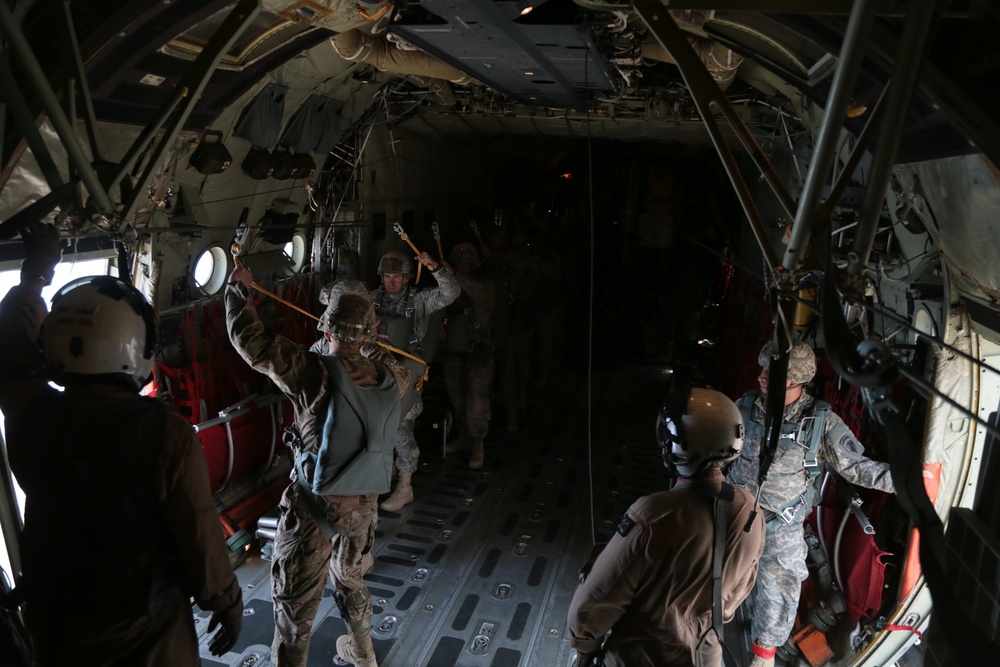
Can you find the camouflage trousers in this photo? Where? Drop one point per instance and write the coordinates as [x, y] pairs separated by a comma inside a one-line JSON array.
[[407, 451], [468, 388], [779, 583], [305, 558]]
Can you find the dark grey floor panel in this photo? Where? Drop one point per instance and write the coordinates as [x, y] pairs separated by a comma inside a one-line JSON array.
[[258, 624], [479, 570]]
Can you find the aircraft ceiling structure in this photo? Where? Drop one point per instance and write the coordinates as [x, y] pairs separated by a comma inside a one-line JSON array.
[[572, 68]]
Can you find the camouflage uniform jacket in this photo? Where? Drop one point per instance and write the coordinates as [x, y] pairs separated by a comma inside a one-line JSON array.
[[787, 479], [418, 304], [298, 372]]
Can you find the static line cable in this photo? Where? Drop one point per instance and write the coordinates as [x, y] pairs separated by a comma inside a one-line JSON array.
[[590, 308]]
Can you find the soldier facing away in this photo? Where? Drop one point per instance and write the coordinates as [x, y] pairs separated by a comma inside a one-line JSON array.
[[98, 449], [342, 464], [653, 586], [812, 434]]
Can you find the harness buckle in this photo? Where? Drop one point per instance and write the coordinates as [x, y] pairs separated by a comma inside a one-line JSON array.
[[804, 430], [788, 514]]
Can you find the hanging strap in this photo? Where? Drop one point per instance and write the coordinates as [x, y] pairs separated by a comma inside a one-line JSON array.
[[720, 522]]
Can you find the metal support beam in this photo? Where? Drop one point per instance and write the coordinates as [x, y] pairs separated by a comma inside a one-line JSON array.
[[25, 120], [850, 166], [706, 93], [90, 120], [64, 128], [194, 82], [142, 141], [898, 95], [823, 156]]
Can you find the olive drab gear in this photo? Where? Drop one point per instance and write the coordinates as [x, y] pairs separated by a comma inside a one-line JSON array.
[[395, 262], [355, 453], [805, 434], [801, 361], [697, 429], [100, 325], [349, 318]]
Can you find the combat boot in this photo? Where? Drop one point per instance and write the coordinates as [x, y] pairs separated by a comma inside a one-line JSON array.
[[478, 455], [357, 650], [402, 495], [763, 656]]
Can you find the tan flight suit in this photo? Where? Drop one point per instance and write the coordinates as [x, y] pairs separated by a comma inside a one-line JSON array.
[[652, 584], [302, 551], [64, 634]]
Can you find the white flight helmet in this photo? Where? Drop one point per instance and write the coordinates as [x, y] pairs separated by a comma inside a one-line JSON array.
[[100, 325], [704, 428]]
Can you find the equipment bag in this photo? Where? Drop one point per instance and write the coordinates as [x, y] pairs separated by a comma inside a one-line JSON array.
[[257, 164], [211, 157]]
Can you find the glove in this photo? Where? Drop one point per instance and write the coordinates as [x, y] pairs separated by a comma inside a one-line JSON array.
[[41, 251], [583, 659], [231, 622]]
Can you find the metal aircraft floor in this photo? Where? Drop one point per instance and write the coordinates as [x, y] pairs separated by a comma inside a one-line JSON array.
[[479, 570]]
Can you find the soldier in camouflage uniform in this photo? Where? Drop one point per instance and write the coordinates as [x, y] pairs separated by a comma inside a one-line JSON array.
[[468, 366], [404, 315], [790, 490], [316, 532]]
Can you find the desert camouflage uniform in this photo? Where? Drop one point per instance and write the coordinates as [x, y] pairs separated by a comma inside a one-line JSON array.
[[783, 565], [468, 376], [302, 551], [417, 305]]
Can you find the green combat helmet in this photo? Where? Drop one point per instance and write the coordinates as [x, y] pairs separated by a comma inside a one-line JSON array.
[[350, 318], [801, 361]]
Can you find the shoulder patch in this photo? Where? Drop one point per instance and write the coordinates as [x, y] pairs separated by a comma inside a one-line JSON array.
[[625, 525]]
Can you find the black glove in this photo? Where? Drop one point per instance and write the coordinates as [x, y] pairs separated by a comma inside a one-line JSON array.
[[41, 251], [231, 620]]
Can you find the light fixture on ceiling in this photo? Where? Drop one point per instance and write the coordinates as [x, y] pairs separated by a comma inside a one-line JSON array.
[[527, 10]]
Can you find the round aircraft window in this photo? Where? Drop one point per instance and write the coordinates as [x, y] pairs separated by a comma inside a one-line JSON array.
[[296, 251], [210, 269]]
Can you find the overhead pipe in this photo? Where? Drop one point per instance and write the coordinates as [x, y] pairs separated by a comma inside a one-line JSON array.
[[357, 46]]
